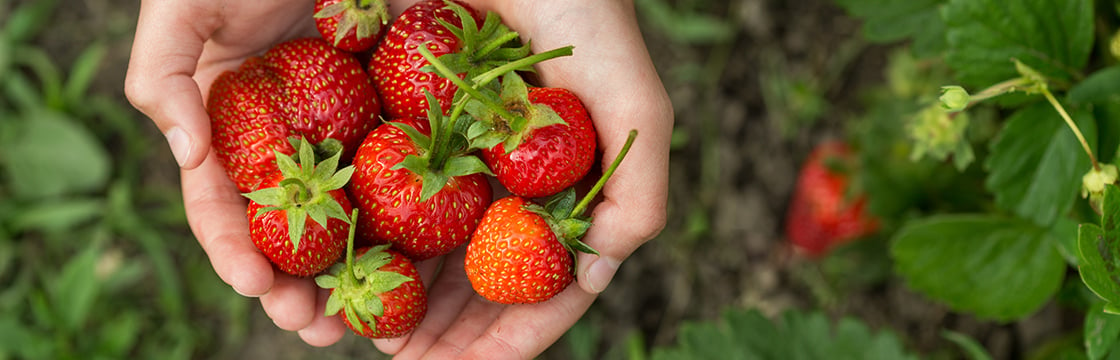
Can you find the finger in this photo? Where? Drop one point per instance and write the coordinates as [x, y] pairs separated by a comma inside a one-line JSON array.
[[448, 294], [323, 330], [524, 331], [217, 216], [169, 40], [291, 302]]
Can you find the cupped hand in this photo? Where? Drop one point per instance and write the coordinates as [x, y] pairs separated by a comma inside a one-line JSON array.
[[611, 71], [180, 47]]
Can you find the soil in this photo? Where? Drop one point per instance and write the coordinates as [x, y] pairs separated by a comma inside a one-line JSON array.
[[732, 172]]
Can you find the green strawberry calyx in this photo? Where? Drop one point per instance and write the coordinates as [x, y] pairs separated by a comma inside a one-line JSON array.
[[357, 284], [365, 17], [502, 116], [481, 49], [510, 121], [305, 190], [441, 156], [566, 217]]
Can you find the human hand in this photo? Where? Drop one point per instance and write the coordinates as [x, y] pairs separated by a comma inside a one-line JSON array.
[[179, 49], [613, 75]]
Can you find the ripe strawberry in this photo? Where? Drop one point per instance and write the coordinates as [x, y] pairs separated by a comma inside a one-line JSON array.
[[279, 210], [542, 142], [824, 212], [450, 30], [378, 291], [523, 252], [351, 25], [417, 192], [300, 88]]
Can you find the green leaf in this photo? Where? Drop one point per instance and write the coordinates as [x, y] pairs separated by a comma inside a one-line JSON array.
[[1053, 37], [1101, 331], [51, 155], [747, 334], [465, 165], [28, 20], [890, 20], [57, 215], [334, 304], [1099, 255], [1101, 86], [963, 261], [74, 291], [970, 346], [82, 73], [297, 222], [1036, 163]]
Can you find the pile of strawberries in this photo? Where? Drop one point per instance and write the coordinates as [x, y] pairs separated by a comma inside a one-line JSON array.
[[354, 172]]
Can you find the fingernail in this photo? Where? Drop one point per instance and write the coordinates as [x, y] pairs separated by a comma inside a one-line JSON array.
[[600, 273], [180, 144]]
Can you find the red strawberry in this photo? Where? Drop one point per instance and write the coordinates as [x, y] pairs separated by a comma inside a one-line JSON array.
[[543, 141], [351, 25], [378, 291], [279, 210], [300, 88], [449, 29], [415, 192], [523, 252], [824, 212]]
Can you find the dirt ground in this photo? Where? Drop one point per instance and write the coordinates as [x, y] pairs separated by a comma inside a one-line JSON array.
[[732, 173]]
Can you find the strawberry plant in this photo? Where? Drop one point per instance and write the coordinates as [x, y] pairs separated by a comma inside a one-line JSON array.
[[1003, 158]]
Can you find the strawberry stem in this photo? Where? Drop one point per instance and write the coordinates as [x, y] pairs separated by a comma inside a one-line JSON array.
[[350, 243], [1073, 126], [487, 77], [471, 91], [582, 205]]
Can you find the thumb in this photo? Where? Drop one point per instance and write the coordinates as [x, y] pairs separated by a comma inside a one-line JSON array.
[[159, 81]]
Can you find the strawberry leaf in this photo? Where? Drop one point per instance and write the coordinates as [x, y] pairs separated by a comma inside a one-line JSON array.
[[887, 21], [1101, 331], [972, 255], [1099, 255], [1102, 86], [1053, 37], [1036, 163], [793, 335]]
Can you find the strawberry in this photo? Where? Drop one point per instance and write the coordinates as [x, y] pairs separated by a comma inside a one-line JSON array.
[[420, 193], [300, 88], [825, 211], [524, 253], [351, 25], [542, 142], [450, 30], [279, 210], [378, 291]]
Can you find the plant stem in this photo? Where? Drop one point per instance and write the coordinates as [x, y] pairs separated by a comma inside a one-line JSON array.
[[582, 205], [487, 77], [350, 243], [1073, 126], [471, 91]]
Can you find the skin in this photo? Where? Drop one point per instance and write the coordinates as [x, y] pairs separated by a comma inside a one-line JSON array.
[[182, 45]]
